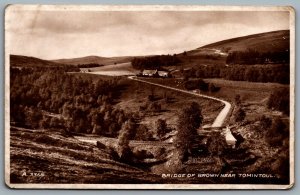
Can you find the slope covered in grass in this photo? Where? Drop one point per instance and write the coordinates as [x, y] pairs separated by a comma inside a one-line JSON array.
[[270, 41], [62, 159]]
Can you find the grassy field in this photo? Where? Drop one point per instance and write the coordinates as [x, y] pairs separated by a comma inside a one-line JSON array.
[[136, 95], [113, 70], [250, 92], [254, 96], [270, 41]]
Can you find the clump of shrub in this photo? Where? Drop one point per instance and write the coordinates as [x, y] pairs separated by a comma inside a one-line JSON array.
[[280, 100], [239, 115]]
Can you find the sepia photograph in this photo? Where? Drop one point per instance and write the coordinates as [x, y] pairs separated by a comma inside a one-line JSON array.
[[149, 97]]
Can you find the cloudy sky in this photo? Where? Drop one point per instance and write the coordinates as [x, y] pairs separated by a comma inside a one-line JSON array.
[[68, 34]]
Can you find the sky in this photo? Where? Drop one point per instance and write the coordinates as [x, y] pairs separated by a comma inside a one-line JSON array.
[[57, 34]]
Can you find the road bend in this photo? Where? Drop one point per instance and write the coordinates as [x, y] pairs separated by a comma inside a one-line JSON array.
[[218, 122]]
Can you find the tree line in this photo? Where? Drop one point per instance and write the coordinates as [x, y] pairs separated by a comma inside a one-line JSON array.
[[250, 57], [29, 69], [278, 73], [154, 62], [91, 65]]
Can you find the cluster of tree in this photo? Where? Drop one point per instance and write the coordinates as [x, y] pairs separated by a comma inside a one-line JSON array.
[[278, 73], [130, 156], [275, 131], [280, 100], [29, 69], [196, 84], [251, 56], [161, 128], [189, 120], [151, 106], [84, 105], [126, 133], [201, 85], [77, 104], [216, 144], [238, 113], [91, 65], [154, 62]]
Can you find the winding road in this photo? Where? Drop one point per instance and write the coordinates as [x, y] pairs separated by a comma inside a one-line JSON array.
[[126, 69], [218, 122]]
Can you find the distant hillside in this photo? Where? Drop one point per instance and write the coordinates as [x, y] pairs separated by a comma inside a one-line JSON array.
[[216, 53], [22, 61], [274, 41], [94, 60], [28, 61]]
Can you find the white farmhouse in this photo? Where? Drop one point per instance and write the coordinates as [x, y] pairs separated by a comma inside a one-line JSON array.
[[149, 73], [163, 73]]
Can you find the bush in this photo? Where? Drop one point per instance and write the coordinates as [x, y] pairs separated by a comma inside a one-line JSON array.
[[33, 117], [143, 133], [213, 88], [196, 84], [161, 127], [237, 99], [277, 133], [126, 133], [217, 144], [280, 100], [265, 122], [239, 115]]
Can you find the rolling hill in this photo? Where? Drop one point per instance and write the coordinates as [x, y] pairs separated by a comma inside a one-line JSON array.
[[22, 61], [28, 61], [216, 53], [264, 42], [94, 60], [275, 41]]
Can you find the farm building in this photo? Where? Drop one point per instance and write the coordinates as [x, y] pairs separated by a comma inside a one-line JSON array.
[[163, 73], [150, 73], [84, 70], [155, 73]]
